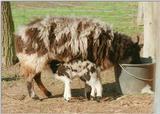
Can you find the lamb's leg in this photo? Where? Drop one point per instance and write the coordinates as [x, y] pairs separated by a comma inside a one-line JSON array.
[[87, 91], [37, 79], [93, 92], [91, 83], [99, 89], [96, 87], [67, 88], [93, 89], [67, 91]]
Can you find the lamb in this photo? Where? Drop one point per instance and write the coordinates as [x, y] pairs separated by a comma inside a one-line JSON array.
[[85, 70]]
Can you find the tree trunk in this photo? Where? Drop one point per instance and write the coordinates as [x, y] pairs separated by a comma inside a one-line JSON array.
[[8, 53], [140, 15], [149, 38]]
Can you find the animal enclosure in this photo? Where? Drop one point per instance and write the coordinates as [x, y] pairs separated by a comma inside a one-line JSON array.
[[121, 16]]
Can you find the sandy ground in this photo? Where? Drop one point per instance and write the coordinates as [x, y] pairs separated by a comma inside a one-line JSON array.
[[15, 98]]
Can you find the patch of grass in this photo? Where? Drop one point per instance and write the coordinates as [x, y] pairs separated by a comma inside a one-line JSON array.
[[121, 15]]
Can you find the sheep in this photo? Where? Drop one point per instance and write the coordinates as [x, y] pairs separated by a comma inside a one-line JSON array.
[[64, 39]]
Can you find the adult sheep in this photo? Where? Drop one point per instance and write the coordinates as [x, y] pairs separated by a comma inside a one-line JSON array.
[[64, 39]]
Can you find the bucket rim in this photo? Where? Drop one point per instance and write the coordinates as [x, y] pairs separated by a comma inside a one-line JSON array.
[[143, 64], [135, 76]]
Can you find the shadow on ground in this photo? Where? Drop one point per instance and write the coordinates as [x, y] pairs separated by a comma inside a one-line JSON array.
[[12, 78], [110, 90]]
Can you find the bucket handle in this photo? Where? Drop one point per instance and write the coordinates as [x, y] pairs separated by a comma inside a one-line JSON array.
[[134, 75]]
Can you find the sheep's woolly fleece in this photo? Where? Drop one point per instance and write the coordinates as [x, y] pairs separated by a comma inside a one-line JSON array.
[[63, 39]]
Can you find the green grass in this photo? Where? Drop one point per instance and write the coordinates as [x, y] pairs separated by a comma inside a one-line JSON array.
[[121, 15]]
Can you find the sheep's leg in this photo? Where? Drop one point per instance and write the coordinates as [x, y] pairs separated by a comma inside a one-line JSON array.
[[87, 91], [30, 87], [37, 79], [117, 71]]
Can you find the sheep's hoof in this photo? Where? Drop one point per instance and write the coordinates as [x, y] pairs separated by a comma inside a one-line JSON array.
[[93, 98], [88, 95], [98, 98], [35, 97], [49, 94], [67, 99]]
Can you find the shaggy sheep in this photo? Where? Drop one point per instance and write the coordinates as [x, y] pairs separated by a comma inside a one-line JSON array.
[[65, 39]]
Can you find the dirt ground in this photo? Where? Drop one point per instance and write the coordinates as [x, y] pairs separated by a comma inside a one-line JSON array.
[[15, 98]]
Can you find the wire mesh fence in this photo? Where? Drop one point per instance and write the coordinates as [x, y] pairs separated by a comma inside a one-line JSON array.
[[121, 16]]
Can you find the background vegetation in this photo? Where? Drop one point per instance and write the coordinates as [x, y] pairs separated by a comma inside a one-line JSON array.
[[121, 16]]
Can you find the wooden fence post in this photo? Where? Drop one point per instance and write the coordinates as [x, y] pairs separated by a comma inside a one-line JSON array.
[[140, 15], [149, 39], [156, 34], [152, 44]]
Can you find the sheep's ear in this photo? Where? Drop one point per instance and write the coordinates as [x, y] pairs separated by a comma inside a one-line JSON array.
[[112, 49], [141, 45], [138, 38]]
